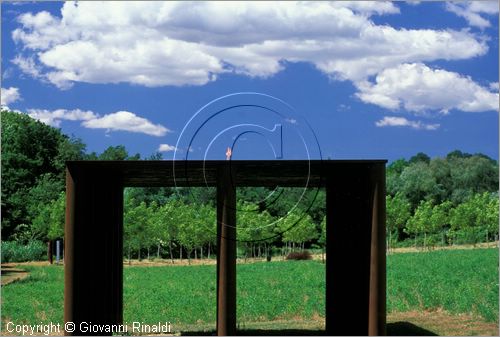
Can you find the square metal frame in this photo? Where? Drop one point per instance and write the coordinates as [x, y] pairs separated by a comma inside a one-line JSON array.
[[355, 299]]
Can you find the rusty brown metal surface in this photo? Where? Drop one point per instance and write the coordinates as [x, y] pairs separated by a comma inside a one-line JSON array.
[[355, 286], [377, 304], [69, 238], [49, 252], [293, 173], [94, 268], [226, 257], [355, 264]]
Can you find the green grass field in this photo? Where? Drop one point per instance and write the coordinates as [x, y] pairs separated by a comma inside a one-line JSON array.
[[458, 281]]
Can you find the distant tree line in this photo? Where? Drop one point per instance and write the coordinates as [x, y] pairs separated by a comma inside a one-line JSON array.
[[449, 200], [439, 201]]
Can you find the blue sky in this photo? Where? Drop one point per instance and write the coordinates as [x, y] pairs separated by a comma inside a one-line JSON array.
[[363, 79]]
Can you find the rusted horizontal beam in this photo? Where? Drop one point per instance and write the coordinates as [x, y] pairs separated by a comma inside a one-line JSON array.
[[197, 173]]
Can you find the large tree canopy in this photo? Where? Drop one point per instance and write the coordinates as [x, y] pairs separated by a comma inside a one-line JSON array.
[[33, 157]]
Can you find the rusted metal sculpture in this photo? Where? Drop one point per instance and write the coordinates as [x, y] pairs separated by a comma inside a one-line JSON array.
[[355, 209]]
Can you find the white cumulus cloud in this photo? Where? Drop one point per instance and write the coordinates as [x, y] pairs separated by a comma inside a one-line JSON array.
[[117, 121], [126, 121], [421, 89], [9, 95], [184, 43], [166, 148], [403, 122], [473, 11], [54, 117]]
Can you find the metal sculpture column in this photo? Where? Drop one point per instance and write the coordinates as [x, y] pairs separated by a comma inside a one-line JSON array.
[[355, 259], [93, 280], [226, 256]]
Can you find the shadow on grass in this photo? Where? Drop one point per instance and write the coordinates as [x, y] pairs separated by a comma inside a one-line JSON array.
[[393, 329], [407, 329], [261, 332]]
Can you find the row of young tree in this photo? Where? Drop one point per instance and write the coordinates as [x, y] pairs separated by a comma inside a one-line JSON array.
[[180, 229], [472, 221], [429, 201]]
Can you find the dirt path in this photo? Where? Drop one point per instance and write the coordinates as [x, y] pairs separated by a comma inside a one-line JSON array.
[[11, 274], [439, 323], [494, 244]]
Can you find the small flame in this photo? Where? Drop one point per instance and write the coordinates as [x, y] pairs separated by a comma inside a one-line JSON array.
[[228, 153]]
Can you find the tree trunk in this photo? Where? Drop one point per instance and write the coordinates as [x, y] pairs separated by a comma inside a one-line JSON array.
[[129, 255], [170, 248], [389, 242], [148, 254], [49, 251], [208, 253], [139, 256], [195, 254], [201, 252], [158, 252], [180, 251], [189, 256]]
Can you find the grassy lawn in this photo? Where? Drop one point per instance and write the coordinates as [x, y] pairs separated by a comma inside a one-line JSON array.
[[458, 281], [462, 281]]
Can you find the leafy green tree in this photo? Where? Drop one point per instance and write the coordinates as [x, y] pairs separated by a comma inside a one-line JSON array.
[[207, 228], [441, 171], [397, 214], [114, 153], [471, 175], [420, 158], [47, 188], [457, 154], [69, 148], [440, 218], [41, 222], [476, 219], [167, 225], [136, 227], [418, 183], [187, 235], [48, 224], [298, 229], [463, 222], [393, 176], [491, 217], [254, 229], [28, 151], [57, 217], [420, 222]]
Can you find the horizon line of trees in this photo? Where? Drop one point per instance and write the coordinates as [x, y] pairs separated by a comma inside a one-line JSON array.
[[447, 200]]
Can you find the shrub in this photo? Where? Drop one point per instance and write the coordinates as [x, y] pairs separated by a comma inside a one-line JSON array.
[[13, 251], [305, 255]]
